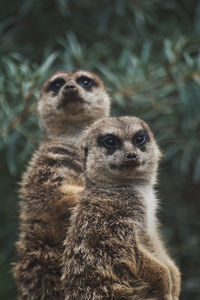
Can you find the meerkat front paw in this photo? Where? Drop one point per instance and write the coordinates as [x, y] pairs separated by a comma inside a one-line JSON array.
[[164, 285], [167, 297], [175, 280]]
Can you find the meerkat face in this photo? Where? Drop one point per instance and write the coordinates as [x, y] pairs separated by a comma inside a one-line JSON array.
[[120, 149], [78, 95]]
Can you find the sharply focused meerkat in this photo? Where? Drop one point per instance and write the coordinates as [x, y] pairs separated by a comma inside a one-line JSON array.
[[112, 247], [69, 102]]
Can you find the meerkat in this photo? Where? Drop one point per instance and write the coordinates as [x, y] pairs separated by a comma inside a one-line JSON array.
[[69, 102], [106, 254]]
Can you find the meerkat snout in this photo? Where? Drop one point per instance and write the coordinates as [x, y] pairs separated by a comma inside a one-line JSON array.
[[121, 148], [131, 157], [69, 87]]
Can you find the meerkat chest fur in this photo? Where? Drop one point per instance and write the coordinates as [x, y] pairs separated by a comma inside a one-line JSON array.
[[150, 202], [122, 209]]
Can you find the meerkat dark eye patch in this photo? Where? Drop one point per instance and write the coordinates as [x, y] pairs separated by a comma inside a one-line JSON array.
[[110, 141], [140, 139], [86, 82], [55, 85]]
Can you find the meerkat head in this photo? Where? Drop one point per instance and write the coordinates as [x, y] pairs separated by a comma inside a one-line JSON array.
[[119, 150], [72, 96]]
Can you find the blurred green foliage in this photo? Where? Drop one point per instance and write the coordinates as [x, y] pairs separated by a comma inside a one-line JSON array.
[[148, 54]]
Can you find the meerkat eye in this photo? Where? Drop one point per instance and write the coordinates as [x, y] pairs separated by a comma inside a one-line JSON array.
[[140, 138], [109, 142], [56, 84], [86, 82]]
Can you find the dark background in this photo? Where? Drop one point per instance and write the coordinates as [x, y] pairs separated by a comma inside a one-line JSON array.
[[148, 54]]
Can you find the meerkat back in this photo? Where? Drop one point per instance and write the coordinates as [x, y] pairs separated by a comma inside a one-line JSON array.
[[69, 102]]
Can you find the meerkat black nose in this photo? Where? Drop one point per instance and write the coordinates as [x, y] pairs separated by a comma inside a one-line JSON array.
[[70, 87], [131, 156]]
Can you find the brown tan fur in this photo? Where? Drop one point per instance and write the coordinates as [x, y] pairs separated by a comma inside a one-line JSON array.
[[106, 254], [69, 102]]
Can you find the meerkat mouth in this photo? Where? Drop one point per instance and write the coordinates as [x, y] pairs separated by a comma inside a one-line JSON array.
[[126, 165], [70, 97]]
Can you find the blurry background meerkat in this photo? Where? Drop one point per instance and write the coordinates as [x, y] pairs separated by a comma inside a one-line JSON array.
[[148, 54]]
